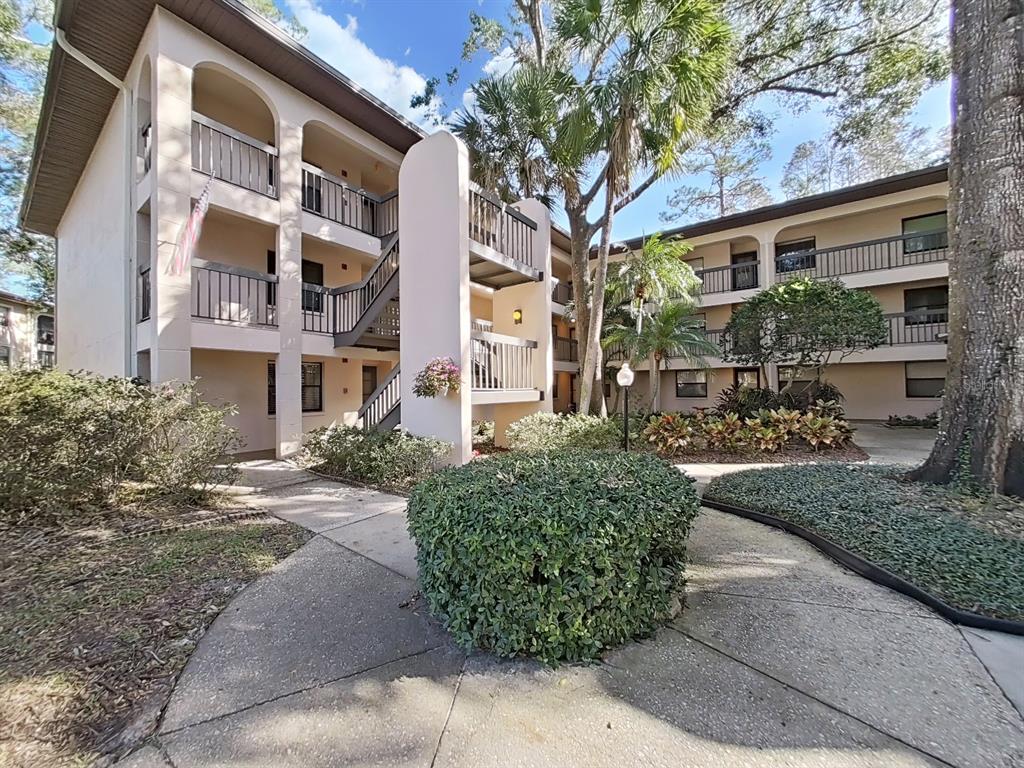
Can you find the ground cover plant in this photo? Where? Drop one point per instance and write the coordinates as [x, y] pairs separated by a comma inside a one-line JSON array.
[[393, 459], [99, 611], [965, 549], [556, 555]]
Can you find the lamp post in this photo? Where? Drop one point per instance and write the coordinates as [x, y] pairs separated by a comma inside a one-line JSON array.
[[624, 378]]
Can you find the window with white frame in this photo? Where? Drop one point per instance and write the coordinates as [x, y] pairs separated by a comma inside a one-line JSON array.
[[691, 383], [312, 387], [5, 357], [925, 378], [44, 329], [5, 317]]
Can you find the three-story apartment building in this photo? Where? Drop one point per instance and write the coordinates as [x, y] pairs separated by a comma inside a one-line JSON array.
[[26, 332], [344, 248]]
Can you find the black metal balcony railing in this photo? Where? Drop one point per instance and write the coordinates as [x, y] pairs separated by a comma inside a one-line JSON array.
[[735, 277], [868, 256], [359, 209], [231, 156], [923, 326], [145, 293], [561, 293], [233, 294], [566, 350], [501, 227]]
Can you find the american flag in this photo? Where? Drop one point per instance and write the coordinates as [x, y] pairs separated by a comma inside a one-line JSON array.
[[190, 235]]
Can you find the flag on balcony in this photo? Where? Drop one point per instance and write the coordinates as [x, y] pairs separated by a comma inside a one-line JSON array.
[[190, 235]]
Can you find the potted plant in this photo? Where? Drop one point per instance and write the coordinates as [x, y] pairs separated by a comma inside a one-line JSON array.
[[438, 377]]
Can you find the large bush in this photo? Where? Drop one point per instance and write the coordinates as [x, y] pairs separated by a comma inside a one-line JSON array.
[[68, 440], [564, 431], [553, 555], [393, 459]]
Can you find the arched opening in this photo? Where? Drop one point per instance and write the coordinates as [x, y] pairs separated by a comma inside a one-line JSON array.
[[344, 183], [744, 261], [144, 120], [234, 131]]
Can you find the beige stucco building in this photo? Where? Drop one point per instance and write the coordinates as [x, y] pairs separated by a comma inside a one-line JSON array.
[[26, 333], [344, 248]]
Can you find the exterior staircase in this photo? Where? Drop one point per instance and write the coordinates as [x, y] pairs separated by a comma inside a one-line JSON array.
[[365, 314]]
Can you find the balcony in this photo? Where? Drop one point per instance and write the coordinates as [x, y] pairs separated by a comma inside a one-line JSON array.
[[232, 156], [735, 277], [566, 350], [501, 242], [923, 326], [868, 256], [228, 294], [331, 198], [561, 293], [502, 368]]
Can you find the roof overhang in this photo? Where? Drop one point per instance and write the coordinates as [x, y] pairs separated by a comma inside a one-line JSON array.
[[76, 101]]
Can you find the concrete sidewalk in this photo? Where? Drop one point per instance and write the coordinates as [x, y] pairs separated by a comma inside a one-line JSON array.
[[780, 658]]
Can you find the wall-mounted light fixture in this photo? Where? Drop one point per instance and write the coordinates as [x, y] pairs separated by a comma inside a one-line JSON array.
[[517, 316]]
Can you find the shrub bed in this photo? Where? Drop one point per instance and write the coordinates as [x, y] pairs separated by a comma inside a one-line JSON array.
[[769, 432], [564, 431], [72, 440], [393, 459], [967, 551], [555, 555]]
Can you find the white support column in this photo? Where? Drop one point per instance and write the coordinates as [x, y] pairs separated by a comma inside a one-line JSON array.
[[289, 291], [433, 222], [171, 351], [534, 300], [766, 279]]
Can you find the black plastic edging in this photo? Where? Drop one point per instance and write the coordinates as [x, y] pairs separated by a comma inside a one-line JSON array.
[[870, 571]]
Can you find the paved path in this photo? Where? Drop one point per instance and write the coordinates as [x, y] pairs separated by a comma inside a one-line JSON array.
[[780, 658]]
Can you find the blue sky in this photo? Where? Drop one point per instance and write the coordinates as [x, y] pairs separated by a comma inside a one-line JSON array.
[[392, 46]]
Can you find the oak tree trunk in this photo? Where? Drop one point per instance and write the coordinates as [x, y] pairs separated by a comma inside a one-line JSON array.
[[981, 436]]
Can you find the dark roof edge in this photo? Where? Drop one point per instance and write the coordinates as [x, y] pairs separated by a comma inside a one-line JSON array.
[[875, 188]]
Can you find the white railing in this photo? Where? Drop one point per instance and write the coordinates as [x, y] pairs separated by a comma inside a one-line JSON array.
[[501, 362], [501, 227], [481, 325], [333, 199], [382, 401], [231, 156]]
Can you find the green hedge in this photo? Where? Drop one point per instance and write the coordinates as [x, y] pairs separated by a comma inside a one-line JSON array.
[[393, 459], [553, 555], [564, 431], [72, 440], [967, 551]]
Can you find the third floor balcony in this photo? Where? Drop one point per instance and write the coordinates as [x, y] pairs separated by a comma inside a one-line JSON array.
[[906, 250]]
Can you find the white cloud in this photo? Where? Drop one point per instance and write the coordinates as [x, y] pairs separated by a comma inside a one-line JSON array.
[[468, 100], [500, 63], [340, 46], [408, 50]]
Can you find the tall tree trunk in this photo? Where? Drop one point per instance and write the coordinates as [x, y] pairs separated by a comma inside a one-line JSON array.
[[579, 243], [654, 365], [592, 394], [982, 431]]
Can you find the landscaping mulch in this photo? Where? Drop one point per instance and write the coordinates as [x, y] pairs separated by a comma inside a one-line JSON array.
[[966, 550], [99, 613]]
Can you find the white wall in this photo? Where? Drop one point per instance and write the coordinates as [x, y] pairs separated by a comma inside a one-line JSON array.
[[92, 263]]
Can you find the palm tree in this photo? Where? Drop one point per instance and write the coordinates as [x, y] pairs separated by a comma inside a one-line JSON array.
[[671, 332]]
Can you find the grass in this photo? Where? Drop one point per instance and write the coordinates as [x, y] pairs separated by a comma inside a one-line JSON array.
[[966, 550], [99, 614]]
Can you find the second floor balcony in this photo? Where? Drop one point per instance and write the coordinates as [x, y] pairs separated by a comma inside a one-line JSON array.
[[885, 253], [333, 199], [735, 277]]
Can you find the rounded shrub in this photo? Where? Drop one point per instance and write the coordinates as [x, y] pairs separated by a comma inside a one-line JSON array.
[[553, 555], [564, 431]]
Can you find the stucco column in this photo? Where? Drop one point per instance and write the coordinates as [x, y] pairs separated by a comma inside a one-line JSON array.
[[433, 222], [171, 351], [289, 290], [766, 279], [534, 299]]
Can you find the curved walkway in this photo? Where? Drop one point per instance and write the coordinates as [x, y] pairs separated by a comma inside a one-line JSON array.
[[780, 658]]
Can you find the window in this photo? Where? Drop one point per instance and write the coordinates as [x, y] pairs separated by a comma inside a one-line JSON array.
[[691, 383], [313, 274], [5, 357], [799, 385], [696, 264], [46, 359], [925, 378], [5, 317], [554, 386], [271, 270], [369, 381], [744, 272], [747, 377], [933, 235], [312, 387], [795, 255], [929, 305], [44, 329]]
